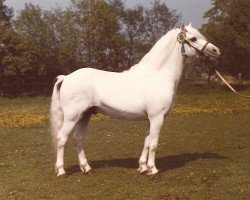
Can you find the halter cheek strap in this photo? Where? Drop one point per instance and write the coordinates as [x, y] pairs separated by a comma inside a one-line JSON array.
[[182, 48], [204, 47]]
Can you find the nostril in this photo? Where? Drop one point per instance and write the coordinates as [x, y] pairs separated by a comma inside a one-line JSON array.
[[214, 50]]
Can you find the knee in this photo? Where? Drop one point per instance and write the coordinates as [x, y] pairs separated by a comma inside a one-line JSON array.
[[61, 140], [147, 139], [153, 146]]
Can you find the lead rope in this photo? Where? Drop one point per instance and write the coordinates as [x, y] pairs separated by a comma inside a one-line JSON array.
[[228, 85]]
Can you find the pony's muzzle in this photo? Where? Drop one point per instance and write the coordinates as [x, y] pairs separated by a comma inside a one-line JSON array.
[[212, 52]]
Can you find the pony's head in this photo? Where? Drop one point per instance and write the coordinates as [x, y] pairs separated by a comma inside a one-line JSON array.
[[193, 43]]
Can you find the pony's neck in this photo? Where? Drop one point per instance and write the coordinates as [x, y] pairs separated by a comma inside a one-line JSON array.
[[174, 66]]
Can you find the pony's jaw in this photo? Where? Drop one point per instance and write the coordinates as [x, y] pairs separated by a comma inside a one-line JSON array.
[[189, 52]]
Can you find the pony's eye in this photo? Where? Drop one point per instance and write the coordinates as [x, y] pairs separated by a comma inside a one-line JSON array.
[[193, 39]]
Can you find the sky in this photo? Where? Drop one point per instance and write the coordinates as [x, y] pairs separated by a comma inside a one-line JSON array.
[[191, 10]]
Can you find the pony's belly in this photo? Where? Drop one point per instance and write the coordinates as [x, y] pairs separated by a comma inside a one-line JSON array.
[[122, 114]]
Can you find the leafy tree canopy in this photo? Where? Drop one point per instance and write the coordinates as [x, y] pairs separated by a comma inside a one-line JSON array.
[[38, 45], [228, 27]]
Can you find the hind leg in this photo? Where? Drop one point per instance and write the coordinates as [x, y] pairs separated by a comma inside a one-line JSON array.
[[62, 137], [80, 132], [71, 118]]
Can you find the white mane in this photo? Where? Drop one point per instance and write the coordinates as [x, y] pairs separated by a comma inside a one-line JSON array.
[[160, 51]]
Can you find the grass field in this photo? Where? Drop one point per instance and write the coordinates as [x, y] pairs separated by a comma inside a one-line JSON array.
[[203, 153]]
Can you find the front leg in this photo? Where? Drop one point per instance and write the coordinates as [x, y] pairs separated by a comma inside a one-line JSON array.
[[155, 127], [144, 156]]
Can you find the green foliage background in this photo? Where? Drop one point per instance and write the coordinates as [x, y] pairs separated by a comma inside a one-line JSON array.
[[38, 45], [229, 28]]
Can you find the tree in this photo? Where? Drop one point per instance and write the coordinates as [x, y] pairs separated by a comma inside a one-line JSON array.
[[159, 20], [228, 28], [134, 33], [30, 24], [5, 25], [17, 63], [98, 31], [17, 58], [144, 26], [38, 45], [64, 40], [6, 15]]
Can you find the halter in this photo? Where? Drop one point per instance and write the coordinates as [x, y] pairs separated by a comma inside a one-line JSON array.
[[183, 39]]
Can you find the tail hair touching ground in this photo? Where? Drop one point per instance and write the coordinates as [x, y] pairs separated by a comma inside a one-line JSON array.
[[56, 113]]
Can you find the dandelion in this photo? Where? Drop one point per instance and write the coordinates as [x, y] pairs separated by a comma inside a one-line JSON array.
[[24, 118], [21, 119], [100, 117]]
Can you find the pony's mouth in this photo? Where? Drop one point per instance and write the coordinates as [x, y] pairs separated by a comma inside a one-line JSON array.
[[212, 56]]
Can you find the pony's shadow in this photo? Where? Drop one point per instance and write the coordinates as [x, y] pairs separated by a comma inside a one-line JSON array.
[[163, 163]]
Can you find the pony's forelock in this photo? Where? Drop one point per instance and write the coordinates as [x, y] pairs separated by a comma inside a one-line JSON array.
[[195, 32]]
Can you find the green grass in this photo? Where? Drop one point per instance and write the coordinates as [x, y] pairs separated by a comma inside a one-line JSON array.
[[200, 156]]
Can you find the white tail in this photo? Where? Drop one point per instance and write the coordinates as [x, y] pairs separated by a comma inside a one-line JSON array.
[[56, 113]]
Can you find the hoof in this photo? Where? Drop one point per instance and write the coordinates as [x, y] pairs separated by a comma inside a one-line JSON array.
[[142, 169], [86, 171], [143, 172], [85, 168], [63, 176], [152, 172]]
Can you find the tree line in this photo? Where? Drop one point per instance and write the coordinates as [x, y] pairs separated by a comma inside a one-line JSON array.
[[36, 45], [228, 27], [39, 44]]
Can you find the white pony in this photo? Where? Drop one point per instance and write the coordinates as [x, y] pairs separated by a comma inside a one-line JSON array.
[[145, 92]]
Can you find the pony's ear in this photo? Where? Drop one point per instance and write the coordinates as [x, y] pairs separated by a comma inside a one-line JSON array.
[[190, 24], [182, 27]]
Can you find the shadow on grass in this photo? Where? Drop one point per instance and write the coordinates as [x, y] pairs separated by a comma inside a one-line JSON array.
[[163, 163]]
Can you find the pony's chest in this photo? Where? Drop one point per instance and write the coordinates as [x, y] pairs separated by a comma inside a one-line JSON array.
[[160, 100]]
